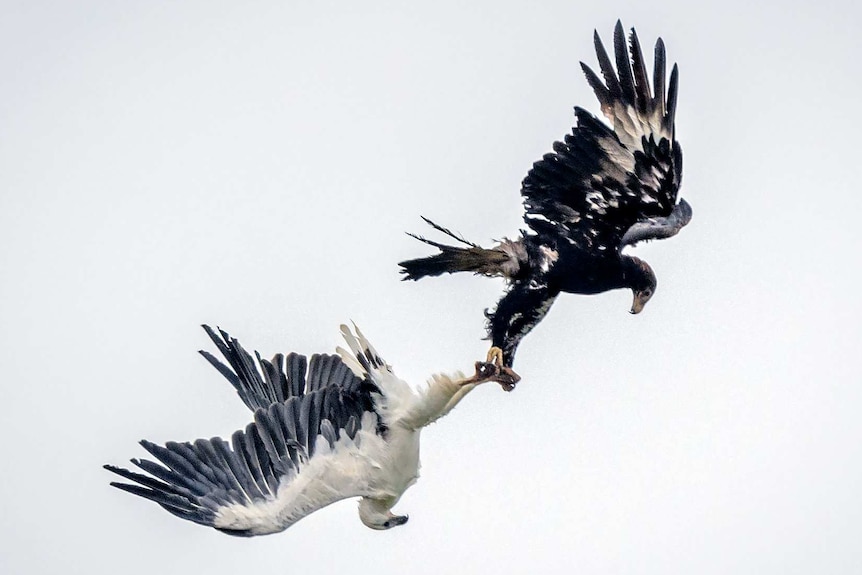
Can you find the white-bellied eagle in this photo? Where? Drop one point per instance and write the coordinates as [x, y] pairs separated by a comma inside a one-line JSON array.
[[600, 190], [334, 427]]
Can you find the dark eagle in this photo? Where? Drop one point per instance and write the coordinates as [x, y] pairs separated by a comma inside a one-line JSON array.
[[601, 189]]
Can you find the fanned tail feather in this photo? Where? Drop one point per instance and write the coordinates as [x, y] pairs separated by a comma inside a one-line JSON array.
[[451, 259]]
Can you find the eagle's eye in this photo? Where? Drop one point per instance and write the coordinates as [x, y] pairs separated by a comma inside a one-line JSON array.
[[387, 524]]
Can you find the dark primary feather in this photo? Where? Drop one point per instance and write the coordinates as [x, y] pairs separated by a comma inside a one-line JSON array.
[[642, 87], [658, 78], [603, 94], [627, 82], [292, 407], [594, 186], [613, 85], [672, 91]]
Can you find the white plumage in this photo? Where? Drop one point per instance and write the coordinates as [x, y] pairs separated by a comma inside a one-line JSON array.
[[345, 427]]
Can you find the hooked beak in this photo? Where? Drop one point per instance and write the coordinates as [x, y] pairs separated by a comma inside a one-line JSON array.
[[638, 303], [396, 520]]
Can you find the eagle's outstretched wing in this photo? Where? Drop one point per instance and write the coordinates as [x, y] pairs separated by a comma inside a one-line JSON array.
[[601, 181], [304, 450]]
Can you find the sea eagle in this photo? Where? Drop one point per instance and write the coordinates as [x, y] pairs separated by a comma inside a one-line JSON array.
[[334, 427], [600, 190]]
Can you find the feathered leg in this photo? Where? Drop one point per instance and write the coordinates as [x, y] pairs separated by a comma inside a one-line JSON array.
[[517, 313]]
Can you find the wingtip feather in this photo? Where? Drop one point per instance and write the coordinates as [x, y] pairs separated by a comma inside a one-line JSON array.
[[610, 75], [672, 92], [624, 69]]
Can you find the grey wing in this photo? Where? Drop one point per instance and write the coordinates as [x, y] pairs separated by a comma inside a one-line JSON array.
[[249, 487], [278, 379], [254, 486]]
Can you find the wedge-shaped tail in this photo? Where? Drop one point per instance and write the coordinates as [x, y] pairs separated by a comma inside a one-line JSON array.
[[504, 260]]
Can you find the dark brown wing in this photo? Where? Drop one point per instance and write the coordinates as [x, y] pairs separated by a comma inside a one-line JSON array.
[[601, 181]]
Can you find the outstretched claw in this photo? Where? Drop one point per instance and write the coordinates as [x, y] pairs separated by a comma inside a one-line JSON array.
[[487, 371], [506, 376], [494, 370]]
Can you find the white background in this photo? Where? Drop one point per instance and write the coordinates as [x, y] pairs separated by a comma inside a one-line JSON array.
[[253, 166]]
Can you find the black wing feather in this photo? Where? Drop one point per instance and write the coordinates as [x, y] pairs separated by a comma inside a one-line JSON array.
[[672, 90], [642, 88], [624, 70], [600, 181], [613, 85], [602, 93], [658, 78]]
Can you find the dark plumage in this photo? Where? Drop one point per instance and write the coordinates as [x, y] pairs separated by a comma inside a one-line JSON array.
[[601, 189]]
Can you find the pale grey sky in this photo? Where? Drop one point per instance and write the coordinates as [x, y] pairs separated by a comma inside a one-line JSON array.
[[254, 166]]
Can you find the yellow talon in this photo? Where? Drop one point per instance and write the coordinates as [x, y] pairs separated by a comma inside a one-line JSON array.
[[495, 356]]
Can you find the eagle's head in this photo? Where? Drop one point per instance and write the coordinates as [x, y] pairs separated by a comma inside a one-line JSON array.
[[640, 278], [376, 514]]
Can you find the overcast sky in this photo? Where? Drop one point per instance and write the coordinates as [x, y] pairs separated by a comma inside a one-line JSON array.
[[254, 166]]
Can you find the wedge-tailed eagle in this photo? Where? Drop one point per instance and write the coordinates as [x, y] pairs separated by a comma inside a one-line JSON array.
[[600, 190]]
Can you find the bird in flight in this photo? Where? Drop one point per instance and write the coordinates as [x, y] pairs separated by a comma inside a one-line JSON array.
[[334, 427], [600, 190]]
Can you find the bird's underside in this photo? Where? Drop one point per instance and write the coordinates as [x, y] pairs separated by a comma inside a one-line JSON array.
[[324, 429], [601, 189]]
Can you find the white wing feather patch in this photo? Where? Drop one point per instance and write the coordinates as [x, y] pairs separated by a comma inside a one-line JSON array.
[[334, 473], [630, 126]]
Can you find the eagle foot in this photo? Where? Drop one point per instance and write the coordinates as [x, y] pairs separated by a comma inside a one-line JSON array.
[[488, 371], [495, 356], [505, 376]]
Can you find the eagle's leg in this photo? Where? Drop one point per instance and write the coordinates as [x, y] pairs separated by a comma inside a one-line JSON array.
[[495, 356], [506, 376], [517, 312]]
